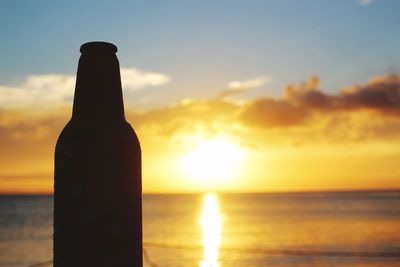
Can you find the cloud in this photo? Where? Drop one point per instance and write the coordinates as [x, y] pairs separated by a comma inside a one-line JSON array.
[[380, 94], [29, 135], [134, 79], [267, 113], [305, 117], [365, 2], [305, 113], [308, 94], [248, 84], [187, 116], [235, 87], [302, 105], [54, 89], [38, 89], [352, 120]]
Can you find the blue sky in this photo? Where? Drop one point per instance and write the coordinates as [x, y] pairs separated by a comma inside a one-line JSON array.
[[204, 45]]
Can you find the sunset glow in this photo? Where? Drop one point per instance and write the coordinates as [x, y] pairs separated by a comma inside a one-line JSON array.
[[232, 96], [212, 160]]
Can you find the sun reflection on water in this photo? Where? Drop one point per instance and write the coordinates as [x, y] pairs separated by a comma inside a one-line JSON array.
[[211, 226]]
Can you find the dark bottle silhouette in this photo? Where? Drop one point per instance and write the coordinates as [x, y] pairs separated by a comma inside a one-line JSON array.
[[97, 184]]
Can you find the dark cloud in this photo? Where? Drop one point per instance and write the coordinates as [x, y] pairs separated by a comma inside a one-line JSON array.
[[380, 94], [309, 95], [302, 102]]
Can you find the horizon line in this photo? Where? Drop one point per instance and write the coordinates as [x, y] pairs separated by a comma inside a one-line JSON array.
[[378, 190]]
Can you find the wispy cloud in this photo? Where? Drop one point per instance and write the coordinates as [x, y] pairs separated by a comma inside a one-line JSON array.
[[365, 2], [55, 89], [235, 87], [134, 79], [249, 84]]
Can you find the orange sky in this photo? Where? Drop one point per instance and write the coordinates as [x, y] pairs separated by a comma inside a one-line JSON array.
[[305, 140], [208, 80]]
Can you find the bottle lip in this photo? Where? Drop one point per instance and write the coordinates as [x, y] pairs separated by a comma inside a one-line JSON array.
[[97, 46]]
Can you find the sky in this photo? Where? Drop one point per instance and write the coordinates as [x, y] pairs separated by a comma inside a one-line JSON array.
[[294, 95]]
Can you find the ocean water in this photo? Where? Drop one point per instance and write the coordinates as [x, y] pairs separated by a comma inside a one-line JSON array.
[[210, 230]]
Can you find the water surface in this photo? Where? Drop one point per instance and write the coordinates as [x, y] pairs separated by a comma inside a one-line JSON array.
[[291, 229]]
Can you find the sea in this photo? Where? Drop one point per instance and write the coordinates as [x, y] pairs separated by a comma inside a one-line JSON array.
[[228, 230]]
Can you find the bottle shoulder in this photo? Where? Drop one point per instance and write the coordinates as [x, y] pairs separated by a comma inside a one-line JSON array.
[[121, 132]]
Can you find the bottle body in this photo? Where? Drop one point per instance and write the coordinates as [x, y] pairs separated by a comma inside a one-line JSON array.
[[98, 194]]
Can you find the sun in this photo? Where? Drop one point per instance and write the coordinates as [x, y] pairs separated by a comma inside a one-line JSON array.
[[212, 160]]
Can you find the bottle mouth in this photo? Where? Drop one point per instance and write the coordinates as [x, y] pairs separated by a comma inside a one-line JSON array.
[[98, 47]]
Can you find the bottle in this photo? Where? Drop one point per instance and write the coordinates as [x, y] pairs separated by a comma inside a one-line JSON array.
[[97, 180]]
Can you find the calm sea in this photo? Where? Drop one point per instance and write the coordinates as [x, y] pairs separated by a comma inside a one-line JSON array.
[[293, 229]]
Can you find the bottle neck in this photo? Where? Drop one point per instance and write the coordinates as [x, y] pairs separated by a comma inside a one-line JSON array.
[[98, 91]]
